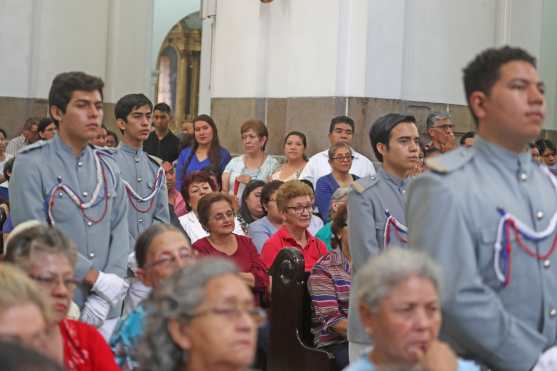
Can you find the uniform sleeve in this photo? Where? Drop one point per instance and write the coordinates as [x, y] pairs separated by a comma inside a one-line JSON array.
[[162, 214], [324, 298], [361, 226], [473, 316], [258, 234], [323, 197], [29, 203], [119, 247]]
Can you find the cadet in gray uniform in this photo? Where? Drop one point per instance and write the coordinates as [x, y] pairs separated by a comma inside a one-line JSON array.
[[78, 188], [376, 206], [142, 173], [488, 215], [143, 177]]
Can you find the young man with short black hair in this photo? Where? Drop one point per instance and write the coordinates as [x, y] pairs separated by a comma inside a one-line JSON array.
[[162, 143], [143, 178], [376, 205], [69, 183], [487, 214]]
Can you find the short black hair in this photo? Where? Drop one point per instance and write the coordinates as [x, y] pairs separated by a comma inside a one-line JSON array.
[[4, 133], [163, 107], [542, 145], [44, 123], [268, 190], [484, 70], [66, 83], [340, 120], [128, 103], [380, 131], [470, 134]]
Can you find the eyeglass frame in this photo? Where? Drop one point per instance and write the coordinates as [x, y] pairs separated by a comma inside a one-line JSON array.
[[168, 261], [53, 281], [308, 208], [257, 314]]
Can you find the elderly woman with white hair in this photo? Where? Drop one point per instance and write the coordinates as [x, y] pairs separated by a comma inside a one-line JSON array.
[[400, 308], [202, 318]]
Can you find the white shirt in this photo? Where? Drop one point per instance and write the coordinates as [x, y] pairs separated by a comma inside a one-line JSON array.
[[195, 231], [318, 166]]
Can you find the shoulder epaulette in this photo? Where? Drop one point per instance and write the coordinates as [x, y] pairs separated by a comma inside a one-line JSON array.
[[450, 161], [157, 160], [31, 147], [105, 150], [362, 184]]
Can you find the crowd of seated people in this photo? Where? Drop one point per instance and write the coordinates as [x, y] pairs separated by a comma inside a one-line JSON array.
[[208, 268]]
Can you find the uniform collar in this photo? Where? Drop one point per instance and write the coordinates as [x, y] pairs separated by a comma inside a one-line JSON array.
[[398, 182], [62, 147], [510, 160], [126, 148]]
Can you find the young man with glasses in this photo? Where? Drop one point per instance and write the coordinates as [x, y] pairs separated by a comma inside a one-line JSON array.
[[487, 215], [440, 129], [341, 129], [295, 201], [376, 206]]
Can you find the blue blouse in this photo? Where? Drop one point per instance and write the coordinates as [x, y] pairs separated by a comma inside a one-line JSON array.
[[196, 165], [324, 189]]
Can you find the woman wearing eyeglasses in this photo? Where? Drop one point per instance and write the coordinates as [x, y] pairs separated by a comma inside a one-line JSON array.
[[216, 215], [160, 251], [340, 159], [295, 201], [48, 257], [203, 318]]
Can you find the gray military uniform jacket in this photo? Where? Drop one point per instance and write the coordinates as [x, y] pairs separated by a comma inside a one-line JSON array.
[[103, 244], [367, 202], [452, 213], [139, 170]]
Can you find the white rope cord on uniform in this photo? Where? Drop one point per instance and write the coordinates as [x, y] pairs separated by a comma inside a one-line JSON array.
[[503, 246]]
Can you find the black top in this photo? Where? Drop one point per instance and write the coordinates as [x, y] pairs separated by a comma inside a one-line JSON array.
[[166, 149]]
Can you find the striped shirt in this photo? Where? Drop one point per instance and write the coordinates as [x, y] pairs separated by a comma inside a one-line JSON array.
[[329, 287]]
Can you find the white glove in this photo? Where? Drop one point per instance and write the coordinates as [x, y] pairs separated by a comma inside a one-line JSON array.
[[111, 287], [95, 310], [132, 262], [547, 361]]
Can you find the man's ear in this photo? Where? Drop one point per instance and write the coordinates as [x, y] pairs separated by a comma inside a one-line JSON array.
[[179, 332], [477, 102], [56, 113], [381, 148], [121, 124]]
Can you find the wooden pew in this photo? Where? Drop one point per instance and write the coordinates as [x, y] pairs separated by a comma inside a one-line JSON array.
[[291, 341]]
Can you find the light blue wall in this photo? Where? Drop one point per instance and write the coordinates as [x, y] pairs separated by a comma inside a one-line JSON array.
[[548, 61], [166, 14]]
